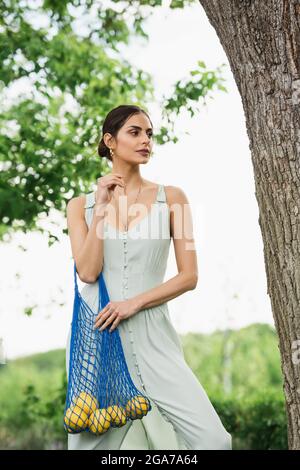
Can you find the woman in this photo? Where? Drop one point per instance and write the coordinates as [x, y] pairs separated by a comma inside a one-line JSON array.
[[132, 254]]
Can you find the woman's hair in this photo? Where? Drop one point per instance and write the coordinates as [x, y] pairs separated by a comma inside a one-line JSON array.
[[113, 122]]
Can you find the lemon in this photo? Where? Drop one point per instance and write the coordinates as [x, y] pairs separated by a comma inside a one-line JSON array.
[[86, 402], [118, 415], [76, 419], [137, 406], [99, 421]]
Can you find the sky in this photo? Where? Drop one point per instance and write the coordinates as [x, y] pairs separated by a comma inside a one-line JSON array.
[[211, 164]]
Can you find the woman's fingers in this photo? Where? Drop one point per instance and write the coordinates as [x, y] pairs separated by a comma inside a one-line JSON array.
[[107, 315], [116, 182], [104, 310], [101, 320], [108, 321], [114, 325]]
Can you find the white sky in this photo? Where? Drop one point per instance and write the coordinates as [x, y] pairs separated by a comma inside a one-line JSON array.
[[213, 167]]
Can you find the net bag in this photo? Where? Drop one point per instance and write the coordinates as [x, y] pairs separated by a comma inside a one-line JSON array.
[[100, 393]]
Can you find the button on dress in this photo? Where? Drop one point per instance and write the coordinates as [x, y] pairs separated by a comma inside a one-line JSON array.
[[182, 416]]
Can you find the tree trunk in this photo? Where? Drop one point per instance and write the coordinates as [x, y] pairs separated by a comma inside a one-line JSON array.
[[262, 43]]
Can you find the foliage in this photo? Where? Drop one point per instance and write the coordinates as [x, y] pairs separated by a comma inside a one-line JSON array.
[[74, 77], [257, 422], [253, 359]]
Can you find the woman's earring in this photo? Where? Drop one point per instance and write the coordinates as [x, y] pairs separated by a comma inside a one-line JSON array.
[[111, 153]]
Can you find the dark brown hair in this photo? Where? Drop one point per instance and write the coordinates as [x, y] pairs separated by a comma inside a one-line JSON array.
[[113, 122]]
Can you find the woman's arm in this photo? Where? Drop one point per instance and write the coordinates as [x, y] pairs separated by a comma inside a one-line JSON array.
[[86, 245], [181, 227]]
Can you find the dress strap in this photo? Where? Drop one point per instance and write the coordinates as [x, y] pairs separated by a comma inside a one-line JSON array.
[[161, 195], [89, 200]]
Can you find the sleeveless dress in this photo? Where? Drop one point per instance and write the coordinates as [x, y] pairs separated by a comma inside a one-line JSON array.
[[182, 416]]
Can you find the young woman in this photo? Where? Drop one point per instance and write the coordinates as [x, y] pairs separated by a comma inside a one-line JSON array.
[[132, 253]]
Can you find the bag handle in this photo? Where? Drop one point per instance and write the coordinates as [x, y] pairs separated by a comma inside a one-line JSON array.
[[103, 294]]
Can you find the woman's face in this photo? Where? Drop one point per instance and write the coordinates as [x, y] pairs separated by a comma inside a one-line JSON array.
[[135, 134]]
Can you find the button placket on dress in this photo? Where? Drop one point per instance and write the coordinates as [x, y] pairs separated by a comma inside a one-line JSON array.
[[125, 267], [125, 296]]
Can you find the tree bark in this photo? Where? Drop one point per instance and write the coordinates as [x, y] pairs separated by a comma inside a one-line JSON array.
[[262, 42]]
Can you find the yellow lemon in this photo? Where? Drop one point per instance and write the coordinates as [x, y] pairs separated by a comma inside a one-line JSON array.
[[136, 407], [86, 402], [76, 419], [99, 421], [118, 415]]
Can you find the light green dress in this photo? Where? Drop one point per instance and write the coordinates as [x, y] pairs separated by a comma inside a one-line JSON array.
[[182, 416]]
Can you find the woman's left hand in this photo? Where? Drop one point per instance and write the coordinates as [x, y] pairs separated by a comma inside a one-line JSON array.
[[115, 312]]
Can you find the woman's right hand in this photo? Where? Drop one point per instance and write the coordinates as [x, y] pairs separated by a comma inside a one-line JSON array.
[[106, 186]]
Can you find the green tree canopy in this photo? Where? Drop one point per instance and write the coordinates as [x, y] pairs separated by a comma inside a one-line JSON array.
[[67, 79]]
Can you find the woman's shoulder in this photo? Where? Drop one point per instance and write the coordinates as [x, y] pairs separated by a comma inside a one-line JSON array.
[[76, 204], [172, 190], [175, 194]]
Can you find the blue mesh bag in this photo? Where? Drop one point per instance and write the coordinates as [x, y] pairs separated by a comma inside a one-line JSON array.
[[100, 393]]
